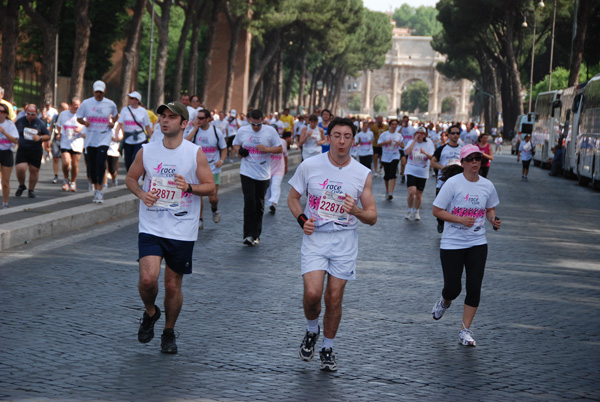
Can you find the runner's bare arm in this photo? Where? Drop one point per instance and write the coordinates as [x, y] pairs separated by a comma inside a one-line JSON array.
[[368, 213], [297, 210], [136, 170]]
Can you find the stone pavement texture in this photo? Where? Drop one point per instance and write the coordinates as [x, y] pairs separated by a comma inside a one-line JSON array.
[[69, 310]]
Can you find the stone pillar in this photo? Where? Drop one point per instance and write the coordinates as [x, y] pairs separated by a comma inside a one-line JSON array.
[[394, 91], [464, 100], [366, 109], [434, 104]]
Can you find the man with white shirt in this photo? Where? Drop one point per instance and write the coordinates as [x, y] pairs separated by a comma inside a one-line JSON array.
[[134, 122], [99, 115], [470, 135], [176, 174], [71, 136], [213, 144], [408, 132], [339, 196], [254, 144]]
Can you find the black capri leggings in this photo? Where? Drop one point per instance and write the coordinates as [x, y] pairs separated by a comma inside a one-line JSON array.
[[473, 260], [389, 169], [366, 160], [97, 163]]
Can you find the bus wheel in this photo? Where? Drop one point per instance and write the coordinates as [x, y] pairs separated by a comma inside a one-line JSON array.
[[583, 181]]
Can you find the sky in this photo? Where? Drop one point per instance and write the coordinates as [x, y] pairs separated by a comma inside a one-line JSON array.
[[386, 5]]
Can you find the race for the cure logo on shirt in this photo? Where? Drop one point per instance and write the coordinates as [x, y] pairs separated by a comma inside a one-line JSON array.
[[469, 206], [165, 170]]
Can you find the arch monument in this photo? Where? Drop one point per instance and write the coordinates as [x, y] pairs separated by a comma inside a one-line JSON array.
[[410, 58]]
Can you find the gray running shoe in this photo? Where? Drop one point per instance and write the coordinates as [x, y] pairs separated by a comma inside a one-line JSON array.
[[439, 309], [307, 347], [328, 360]]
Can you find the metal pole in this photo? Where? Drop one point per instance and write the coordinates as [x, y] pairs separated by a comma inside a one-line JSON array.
[[54, 100], [552, 48], [532, 60], [150, 61]]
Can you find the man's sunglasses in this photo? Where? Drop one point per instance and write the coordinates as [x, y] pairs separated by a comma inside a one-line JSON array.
[[454, 133], [256, 124], [472, 158]]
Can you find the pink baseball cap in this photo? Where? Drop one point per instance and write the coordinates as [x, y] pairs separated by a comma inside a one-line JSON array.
[[468, 150]]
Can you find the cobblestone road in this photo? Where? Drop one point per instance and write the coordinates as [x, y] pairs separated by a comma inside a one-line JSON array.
[[69, 310]]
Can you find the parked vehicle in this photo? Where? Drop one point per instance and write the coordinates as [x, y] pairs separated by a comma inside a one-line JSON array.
[[523, 125], [544, 136], [588, 136]]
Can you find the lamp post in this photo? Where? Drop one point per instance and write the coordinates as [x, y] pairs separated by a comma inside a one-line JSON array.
[[150, 62], [540, 5]]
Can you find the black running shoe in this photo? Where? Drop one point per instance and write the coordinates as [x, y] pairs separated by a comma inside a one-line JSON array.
[[328, 360], [307, 348], [31, 194], [20, 190], [146, 331], [272, 210], [167, 341]]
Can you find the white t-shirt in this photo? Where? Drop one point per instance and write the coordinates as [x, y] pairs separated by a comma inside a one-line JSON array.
[[130, 126], [445, 155], [298, 128], [11, 129], [278, 161], [408, 133], [170, 223], [207, 140], [365, 143], [232, 127], [525, 150], [469, 137], [279, 124], [418, 164], [257, 164], [310, 147], [99, 115], [391, 151], [69, 137], [319, 178], [461, 197], [222, 126], [157, 134]]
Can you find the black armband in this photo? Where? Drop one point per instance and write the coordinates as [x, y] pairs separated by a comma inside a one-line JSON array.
[[302, 220], [243, 152], [189, 189]]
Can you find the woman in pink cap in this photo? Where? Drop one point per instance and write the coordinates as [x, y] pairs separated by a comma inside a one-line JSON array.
[[465, 201]]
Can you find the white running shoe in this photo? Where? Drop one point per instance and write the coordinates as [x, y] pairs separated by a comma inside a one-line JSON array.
[[465, 337], [216, 216], [95, 200], [100, 198], [65, 186], [73, 186], [201, 224], [439, 309], [409, 215], [417, 216], [90, 187]]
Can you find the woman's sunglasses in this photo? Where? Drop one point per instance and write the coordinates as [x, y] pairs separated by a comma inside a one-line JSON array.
[[472, 158]]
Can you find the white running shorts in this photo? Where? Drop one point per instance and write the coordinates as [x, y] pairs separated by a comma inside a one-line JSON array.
[[334, 252]]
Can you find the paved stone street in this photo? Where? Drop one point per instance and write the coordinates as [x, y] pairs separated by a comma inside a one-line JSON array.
[[70, 310]]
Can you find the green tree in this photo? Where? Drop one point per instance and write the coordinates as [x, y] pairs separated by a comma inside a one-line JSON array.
[[380, 104], [354, 103], [415, 97], [421, 20]]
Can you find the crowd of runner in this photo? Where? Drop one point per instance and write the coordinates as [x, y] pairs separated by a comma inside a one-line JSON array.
[[174, 158]]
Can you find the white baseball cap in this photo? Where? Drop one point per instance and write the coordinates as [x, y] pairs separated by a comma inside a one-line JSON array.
[[135, 95], [99, 86]]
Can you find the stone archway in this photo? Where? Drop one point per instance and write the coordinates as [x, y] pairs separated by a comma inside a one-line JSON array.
[[411, 58]]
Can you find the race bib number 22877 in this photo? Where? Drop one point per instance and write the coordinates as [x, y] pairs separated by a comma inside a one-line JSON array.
[[169, 196]]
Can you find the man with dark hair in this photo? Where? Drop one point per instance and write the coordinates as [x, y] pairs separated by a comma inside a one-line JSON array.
[[335, 184], [253, 144], [176, 174], [32, 133]]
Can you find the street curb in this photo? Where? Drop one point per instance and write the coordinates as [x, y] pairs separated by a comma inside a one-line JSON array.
[[56, 223]]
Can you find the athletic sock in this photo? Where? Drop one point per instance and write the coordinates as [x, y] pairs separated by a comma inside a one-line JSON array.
[[327, 343], [312, 326]]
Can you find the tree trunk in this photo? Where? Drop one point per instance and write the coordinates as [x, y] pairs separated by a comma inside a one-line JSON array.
[[583, 17], [212, 28], [290, 82], [279, 86], [339, 83], [131, 53], [302, 79], [161, 52], [236, 27], [515, 106], [272, 42], [9, 17], [49, 28], [83, 26], [180, 56], [193, 61]]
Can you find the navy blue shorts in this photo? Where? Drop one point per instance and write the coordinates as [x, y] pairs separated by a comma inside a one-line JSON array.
[[177, 253]]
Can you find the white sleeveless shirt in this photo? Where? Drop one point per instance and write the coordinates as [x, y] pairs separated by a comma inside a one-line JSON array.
[[175, 224]]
